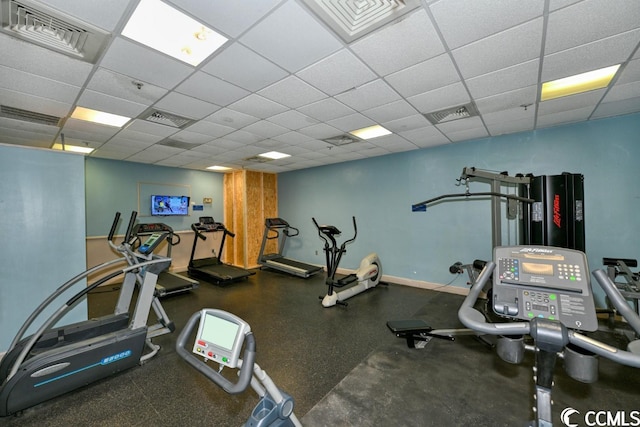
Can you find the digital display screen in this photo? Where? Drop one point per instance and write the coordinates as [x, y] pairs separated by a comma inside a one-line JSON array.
[[219, 331], [540, 269], [169, 205]]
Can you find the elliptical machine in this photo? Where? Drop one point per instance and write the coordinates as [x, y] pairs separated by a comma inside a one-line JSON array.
[[367, 275]]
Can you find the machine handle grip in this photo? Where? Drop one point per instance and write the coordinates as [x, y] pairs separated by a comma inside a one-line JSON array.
[[617, 299], [113, 227], [246, 370], [198, 233], [132, 222]]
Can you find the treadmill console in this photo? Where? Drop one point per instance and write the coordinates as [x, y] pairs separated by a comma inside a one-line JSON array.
[[208, 224], [220, 337], [150, 245], [545, 282], [276, 223]]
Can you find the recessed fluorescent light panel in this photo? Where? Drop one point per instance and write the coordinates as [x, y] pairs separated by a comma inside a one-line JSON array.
[[274, 155], [72, 148], [163, 28], [218, 168], [370, 132], [101, 117], [579, 83]]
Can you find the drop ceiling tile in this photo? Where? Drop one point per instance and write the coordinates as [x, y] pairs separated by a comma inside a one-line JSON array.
[[588, 21], [213, 130], [466, 21], [211, 89], [370, 95], [34, 103], [392, 111], [231, 118], [209, 149], [291, 38], [6, 125], [292, 120], [265, 129], [143, 137], [258, 106], [24, 137], [512, 114], [109, 104], [428, 136], [630, 73], [504, 80], [507, 100], [571, 103], [326, 109], [16, 80], [467, 134], [145, 127], [625, 91], [559, 4], [230, 17], [153, 154], [270, 145], [414, 121], [564, 117], [125, 87], [191, 137], [105, 15], [435, 100], [411, 81], [402, 44], [625, 106], [237, 64], [292, 138], [351, 122], [320, 131], [42, 62], [185, 106], [337, 73], [591, 56], [126, 57], [471, 123], [123, 142], [243, 137], [505, 49], [292, 92], [512, 126]]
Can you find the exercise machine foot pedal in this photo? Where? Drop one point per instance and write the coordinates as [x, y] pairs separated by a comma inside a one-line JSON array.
[[414, 330]]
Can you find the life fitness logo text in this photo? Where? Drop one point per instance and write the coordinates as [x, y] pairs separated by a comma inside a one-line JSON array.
[[571, 416]]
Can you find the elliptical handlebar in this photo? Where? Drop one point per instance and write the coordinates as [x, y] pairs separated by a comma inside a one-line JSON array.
[[113, 227]]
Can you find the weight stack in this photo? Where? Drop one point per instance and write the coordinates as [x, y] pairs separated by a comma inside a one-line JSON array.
[[556, 218]]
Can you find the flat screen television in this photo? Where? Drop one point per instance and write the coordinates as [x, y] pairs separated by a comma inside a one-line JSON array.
[[169, 205]]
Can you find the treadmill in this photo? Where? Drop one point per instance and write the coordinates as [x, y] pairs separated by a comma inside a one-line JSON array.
[[277, 261], [168, 283], [212, 269]]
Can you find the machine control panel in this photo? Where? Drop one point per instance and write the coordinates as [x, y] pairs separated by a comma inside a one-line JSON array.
[[220, 337], [544, 282], [150, 245]]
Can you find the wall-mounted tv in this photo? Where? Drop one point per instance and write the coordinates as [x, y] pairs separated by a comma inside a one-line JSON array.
[[169, 205]]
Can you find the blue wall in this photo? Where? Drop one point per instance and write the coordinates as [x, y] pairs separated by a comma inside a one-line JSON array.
[[42, 228], [113, 185], [421, 246]]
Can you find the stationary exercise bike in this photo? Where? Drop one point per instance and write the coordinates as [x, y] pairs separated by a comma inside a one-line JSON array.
[[367, 275]]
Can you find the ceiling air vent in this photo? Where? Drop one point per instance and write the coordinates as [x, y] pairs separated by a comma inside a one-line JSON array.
[[28, 116], [44, 26], [178, 144], [167, 119], [453, 113], [258, 159], [342, 140], [352, 19]]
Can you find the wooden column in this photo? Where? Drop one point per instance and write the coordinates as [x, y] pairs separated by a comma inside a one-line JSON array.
[[249, 198]]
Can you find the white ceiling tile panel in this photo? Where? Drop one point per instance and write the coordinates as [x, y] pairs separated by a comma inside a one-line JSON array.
[[505, 49], [213, 130], [465, 21], [559, 4], [133, 60], [191, 137], [415, 121], [6, 125], [428, 136], [34, 103], [370, 95], [630, 73], [337, 73], [570, 103], [514, 126], [505, 80], [292, 138], [37, 60], [351, 122], [463, 135], [211, 89], [564, 117], [109, 104], [326, 109], [411, 81], [230, 17], [591, 56], [620, 92], [292, 120], [608, 109], [258, 106], [407, 42], [185, 106], [144, 127], [438, 99], [16, 80], [588, 21], [125, 87], [392, 111], [266, 129], [243, 137], [291, 38], [237, 64], [507, 100], [231, 118], [292, 92], [320, 131]]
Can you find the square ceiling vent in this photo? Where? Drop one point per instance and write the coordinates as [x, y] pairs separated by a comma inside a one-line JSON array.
[[341, 140], [352, 19], [453, 113], [46, 27], [28, 116], [167, 119]]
